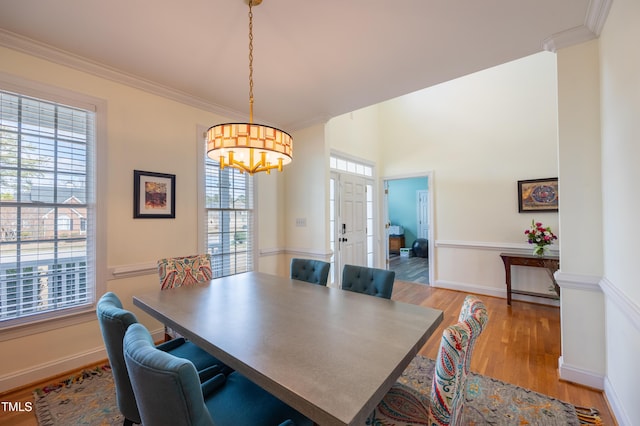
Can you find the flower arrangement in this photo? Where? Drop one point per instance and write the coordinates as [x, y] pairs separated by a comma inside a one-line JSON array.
[[540, 236]]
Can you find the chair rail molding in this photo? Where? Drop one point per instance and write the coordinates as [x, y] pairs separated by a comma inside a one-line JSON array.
[[622, 302], [577, 281], [126, 271], [523, 248], [294, 251]]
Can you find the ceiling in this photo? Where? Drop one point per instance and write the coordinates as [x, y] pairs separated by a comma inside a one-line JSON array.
[[312, 59]]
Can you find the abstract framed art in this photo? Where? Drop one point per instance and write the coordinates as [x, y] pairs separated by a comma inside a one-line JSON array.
[[154, 195], [538, 195]]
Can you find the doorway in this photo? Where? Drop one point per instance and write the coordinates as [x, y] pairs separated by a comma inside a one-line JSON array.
[[408, 209], [351, 220]]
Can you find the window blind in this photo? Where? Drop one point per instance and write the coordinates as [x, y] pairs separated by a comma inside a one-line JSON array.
[[230, 215], [46, 208]]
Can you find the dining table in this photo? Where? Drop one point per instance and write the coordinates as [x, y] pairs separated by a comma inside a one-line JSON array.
[[331, 354]]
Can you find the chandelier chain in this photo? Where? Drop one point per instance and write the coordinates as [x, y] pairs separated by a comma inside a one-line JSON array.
[[247, 147], [250, 62]]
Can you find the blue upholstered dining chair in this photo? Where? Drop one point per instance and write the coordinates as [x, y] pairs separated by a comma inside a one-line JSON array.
[[114, 322], [372, 281], [309, 270], [169, 393]]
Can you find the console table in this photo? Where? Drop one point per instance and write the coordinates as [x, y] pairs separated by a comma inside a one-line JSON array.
[[551, 263]]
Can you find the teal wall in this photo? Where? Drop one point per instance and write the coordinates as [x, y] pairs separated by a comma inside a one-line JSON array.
[[403, 205]]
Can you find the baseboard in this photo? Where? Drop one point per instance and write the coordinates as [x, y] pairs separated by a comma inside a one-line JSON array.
[[42, 372], [580, 376], [494, 292], [470, 288], [38, 373], [615, 404]]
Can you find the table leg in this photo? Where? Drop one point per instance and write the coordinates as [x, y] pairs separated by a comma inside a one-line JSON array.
[[507, 270]]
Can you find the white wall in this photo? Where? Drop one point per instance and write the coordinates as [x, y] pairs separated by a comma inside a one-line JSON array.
[[271, 222], [307, 192], [581, 252], [356, 134], [620, 106], [145, 132], [479, 134]]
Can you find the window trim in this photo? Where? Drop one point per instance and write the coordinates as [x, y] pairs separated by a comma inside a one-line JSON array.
[[201, 144], [51, 93]]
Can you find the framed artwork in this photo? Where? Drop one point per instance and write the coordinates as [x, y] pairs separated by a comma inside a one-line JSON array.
[[538, 195], [154, 195]]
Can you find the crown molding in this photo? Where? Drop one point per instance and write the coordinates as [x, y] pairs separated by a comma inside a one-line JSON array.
[[61, 57], [595, 18]]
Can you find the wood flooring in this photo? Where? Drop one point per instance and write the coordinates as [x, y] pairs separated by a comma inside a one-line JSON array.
[[520, 345], [414, 269]]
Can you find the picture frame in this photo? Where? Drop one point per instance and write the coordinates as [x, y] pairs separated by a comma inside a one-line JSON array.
[[538, 195], [154, 195]]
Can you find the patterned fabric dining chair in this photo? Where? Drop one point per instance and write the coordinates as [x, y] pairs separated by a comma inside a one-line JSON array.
[[183, 271], [475, 313], [403, 405], [187, 270]]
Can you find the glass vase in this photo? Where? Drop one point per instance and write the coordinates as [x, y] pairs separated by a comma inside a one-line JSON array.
[[540, 250]]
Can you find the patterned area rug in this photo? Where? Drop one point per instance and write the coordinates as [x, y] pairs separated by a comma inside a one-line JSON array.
[[88, 398], [488, 402]]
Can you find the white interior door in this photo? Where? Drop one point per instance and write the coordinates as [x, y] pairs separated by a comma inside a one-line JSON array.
[[423, 214], [352, 232]]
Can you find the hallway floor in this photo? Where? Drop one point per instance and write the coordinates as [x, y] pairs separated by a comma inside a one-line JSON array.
[[413, 269]]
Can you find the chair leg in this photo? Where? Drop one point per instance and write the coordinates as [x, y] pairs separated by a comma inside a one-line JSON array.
[[128, 422]]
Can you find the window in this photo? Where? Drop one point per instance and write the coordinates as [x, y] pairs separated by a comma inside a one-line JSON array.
[[230, 215], [350, 166], [47, 259]]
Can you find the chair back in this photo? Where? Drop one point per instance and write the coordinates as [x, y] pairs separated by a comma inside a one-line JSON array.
[[372, 281], [447, 389], [474, 313], [187, 270], [114, 322], [309, 270], [166, 387]]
